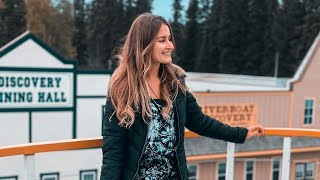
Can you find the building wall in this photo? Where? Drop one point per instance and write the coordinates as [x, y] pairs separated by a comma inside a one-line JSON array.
[[207, 170], [14, 128], [263, 170], [273, 107], [307, 87]]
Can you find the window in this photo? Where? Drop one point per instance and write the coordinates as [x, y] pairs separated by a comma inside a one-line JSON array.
[[305, 171], [221, 171], [88, 175], [49, 176], [9, 178], [192, 172], [275, 170], [249, 170], [308, 111]]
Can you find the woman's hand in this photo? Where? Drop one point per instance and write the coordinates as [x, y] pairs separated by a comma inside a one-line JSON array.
[[255, 130]]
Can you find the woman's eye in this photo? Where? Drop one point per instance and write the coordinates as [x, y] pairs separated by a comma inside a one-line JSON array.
[[162, 40]]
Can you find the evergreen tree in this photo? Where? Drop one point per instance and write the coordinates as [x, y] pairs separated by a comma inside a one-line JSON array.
[[203, 54], [143, 6], [80, 34], [178, 32], [261, 49], [230, 34], [106, 29], [211, 64], [12, 20], [192, 37], [311, 25], [290, 53], [130, 13]]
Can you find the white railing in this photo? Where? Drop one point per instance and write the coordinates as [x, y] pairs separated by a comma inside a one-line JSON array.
[[29, 150]]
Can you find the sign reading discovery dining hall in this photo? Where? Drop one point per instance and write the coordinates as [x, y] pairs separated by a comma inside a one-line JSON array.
[[33, 76]]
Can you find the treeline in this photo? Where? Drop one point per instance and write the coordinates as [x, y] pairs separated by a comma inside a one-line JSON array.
[[219, 36]]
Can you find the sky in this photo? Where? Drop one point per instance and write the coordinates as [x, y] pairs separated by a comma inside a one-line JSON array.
[[165, 8]]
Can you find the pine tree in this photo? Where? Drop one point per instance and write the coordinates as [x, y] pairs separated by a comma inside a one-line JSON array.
[[311, 25], [230, 33], [261, 49], [143, 6], [178, 32], [292, 14], [106, 29], [12, 20], [211, 64], [203, 54], [80, 34], [192, 34]]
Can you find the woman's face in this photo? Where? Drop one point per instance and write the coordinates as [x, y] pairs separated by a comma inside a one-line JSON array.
[[162, 47]]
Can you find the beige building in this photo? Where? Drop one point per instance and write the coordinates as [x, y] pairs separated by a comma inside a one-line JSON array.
[[271, 102]]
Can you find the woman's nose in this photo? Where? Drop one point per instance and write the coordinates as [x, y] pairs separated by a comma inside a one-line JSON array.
[[170, 45]]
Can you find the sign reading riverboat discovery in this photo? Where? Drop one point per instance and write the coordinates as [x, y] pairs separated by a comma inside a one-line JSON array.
[[235, 115], [20, 89]]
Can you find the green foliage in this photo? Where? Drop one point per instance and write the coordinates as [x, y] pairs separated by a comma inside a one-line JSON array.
[[219, 36], [191, 47], [80, 35], [12, 20]]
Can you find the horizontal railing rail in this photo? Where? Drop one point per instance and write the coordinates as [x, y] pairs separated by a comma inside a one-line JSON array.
[[30, 149], [86, 143]]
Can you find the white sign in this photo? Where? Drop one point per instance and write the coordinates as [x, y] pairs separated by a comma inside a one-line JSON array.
[[20, 89]]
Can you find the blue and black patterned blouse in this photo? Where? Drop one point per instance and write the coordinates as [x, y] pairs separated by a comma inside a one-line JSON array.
[[158, 160]]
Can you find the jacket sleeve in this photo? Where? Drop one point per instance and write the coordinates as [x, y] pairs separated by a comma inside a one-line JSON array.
[[114, 145], [204, 125]]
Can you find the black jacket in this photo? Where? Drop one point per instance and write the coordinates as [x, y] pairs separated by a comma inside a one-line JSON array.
[[123, 147]]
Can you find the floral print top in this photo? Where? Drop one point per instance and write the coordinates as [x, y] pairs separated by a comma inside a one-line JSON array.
[[158, 160]]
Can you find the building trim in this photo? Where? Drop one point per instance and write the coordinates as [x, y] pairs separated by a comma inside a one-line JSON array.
[[26, 36], [30, 126], [306, 61], [249, 154], [7, 177], [214, 94], [90, 97], [35, 109], [95, 72]]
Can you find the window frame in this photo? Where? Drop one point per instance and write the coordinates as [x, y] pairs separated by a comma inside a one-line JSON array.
[[305, 108], [304, 164], [253, 169], [225, 173], [55, 174], [7, 177], [273, 170], [83, 172], [197, 169]]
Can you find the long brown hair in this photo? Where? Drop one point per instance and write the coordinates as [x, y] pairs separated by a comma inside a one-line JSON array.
[[128, 88]]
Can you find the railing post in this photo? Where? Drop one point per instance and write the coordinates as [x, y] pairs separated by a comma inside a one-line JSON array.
[[29, 167], [286, 158], [230, 161]]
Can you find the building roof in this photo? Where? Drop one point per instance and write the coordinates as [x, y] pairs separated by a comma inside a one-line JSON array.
[[205, 146], [210, 82]]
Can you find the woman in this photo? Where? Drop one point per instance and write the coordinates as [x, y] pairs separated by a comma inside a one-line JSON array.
[[148, 108]]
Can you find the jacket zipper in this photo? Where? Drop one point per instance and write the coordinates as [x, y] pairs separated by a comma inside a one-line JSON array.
[[178, 144], [144, 146]]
